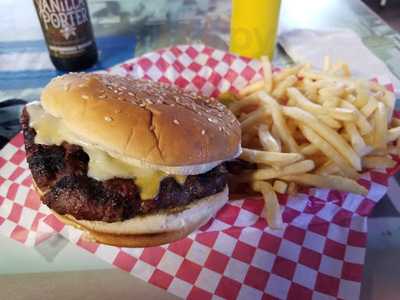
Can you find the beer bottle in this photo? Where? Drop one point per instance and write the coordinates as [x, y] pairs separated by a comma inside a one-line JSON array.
[[68, 32]]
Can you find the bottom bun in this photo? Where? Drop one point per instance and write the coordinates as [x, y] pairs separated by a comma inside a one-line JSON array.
[[132, 240]]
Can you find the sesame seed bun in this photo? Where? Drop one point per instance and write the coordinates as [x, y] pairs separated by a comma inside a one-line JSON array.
[[131, 240], [158, 125]]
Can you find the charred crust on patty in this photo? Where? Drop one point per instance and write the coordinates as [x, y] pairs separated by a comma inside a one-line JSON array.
[[61, 172], [86, 198], [48, 163]]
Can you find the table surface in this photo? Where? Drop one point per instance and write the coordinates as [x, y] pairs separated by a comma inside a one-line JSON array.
[[125, 29]]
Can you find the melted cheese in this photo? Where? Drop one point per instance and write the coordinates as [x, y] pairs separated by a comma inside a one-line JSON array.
[[102, 165], [48, 129]]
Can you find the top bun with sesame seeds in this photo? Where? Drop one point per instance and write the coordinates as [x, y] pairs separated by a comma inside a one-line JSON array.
[[147, 123]]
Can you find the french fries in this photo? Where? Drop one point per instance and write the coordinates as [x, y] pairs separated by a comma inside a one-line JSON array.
[[280, 90], [361, 121], [292, 188], [283, 74], [334, 138], [268, 142], [296, 168], [385, 96], [309, 149], [369, 108], [253, 117], [362, 95], [329, 121], [248, 101], [356, 140], [271, 209], [254, 87], [329, 151], [270, 158], [327, 64], [378, 162], [342, 114], [267, 71], [330, 101], [380, 117], [280, 186], [346, 70], [393, 134], [328, 168], [310, 89], [279, 121], [329, 182], [316, 128]]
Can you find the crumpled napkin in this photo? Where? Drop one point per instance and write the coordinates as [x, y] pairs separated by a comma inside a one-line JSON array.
[[304, 45]]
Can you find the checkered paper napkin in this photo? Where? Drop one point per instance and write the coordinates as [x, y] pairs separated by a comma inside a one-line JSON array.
[[318, 255]]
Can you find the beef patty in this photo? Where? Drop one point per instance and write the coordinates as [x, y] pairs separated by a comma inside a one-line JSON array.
[[61, 173]]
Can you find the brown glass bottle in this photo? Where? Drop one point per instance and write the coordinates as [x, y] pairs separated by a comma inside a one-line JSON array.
[[68, 32]]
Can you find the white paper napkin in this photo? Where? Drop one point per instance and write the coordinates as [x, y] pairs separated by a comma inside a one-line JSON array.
[[303, 45]]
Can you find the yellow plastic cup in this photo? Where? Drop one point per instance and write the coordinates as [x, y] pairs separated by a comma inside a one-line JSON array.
[[254, 25]]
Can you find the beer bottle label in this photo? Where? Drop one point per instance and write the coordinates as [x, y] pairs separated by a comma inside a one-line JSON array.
[[66, 26]]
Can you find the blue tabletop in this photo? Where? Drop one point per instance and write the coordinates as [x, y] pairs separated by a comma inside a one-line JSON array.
[[23, 82], [112, 50]]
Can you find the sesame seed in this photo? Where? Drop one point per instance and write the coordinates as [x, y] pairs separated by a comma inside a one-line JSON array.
[[81, 85], [86, 97], [176, 122], [203, 132], [220, 128], [108, 119], [131, 94], [102, 96]]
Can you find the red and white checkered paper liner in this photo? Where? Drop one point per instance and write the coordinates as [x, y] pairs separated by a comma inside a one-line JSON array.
[[318, 255]]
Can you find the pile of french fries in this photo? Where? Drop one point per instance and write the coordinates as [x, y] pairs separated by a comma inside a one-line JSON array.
[[315, 128]]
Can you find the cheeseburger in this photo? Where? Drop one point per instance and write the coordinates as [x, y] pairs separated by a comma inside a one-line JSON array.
[[133, 163]]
